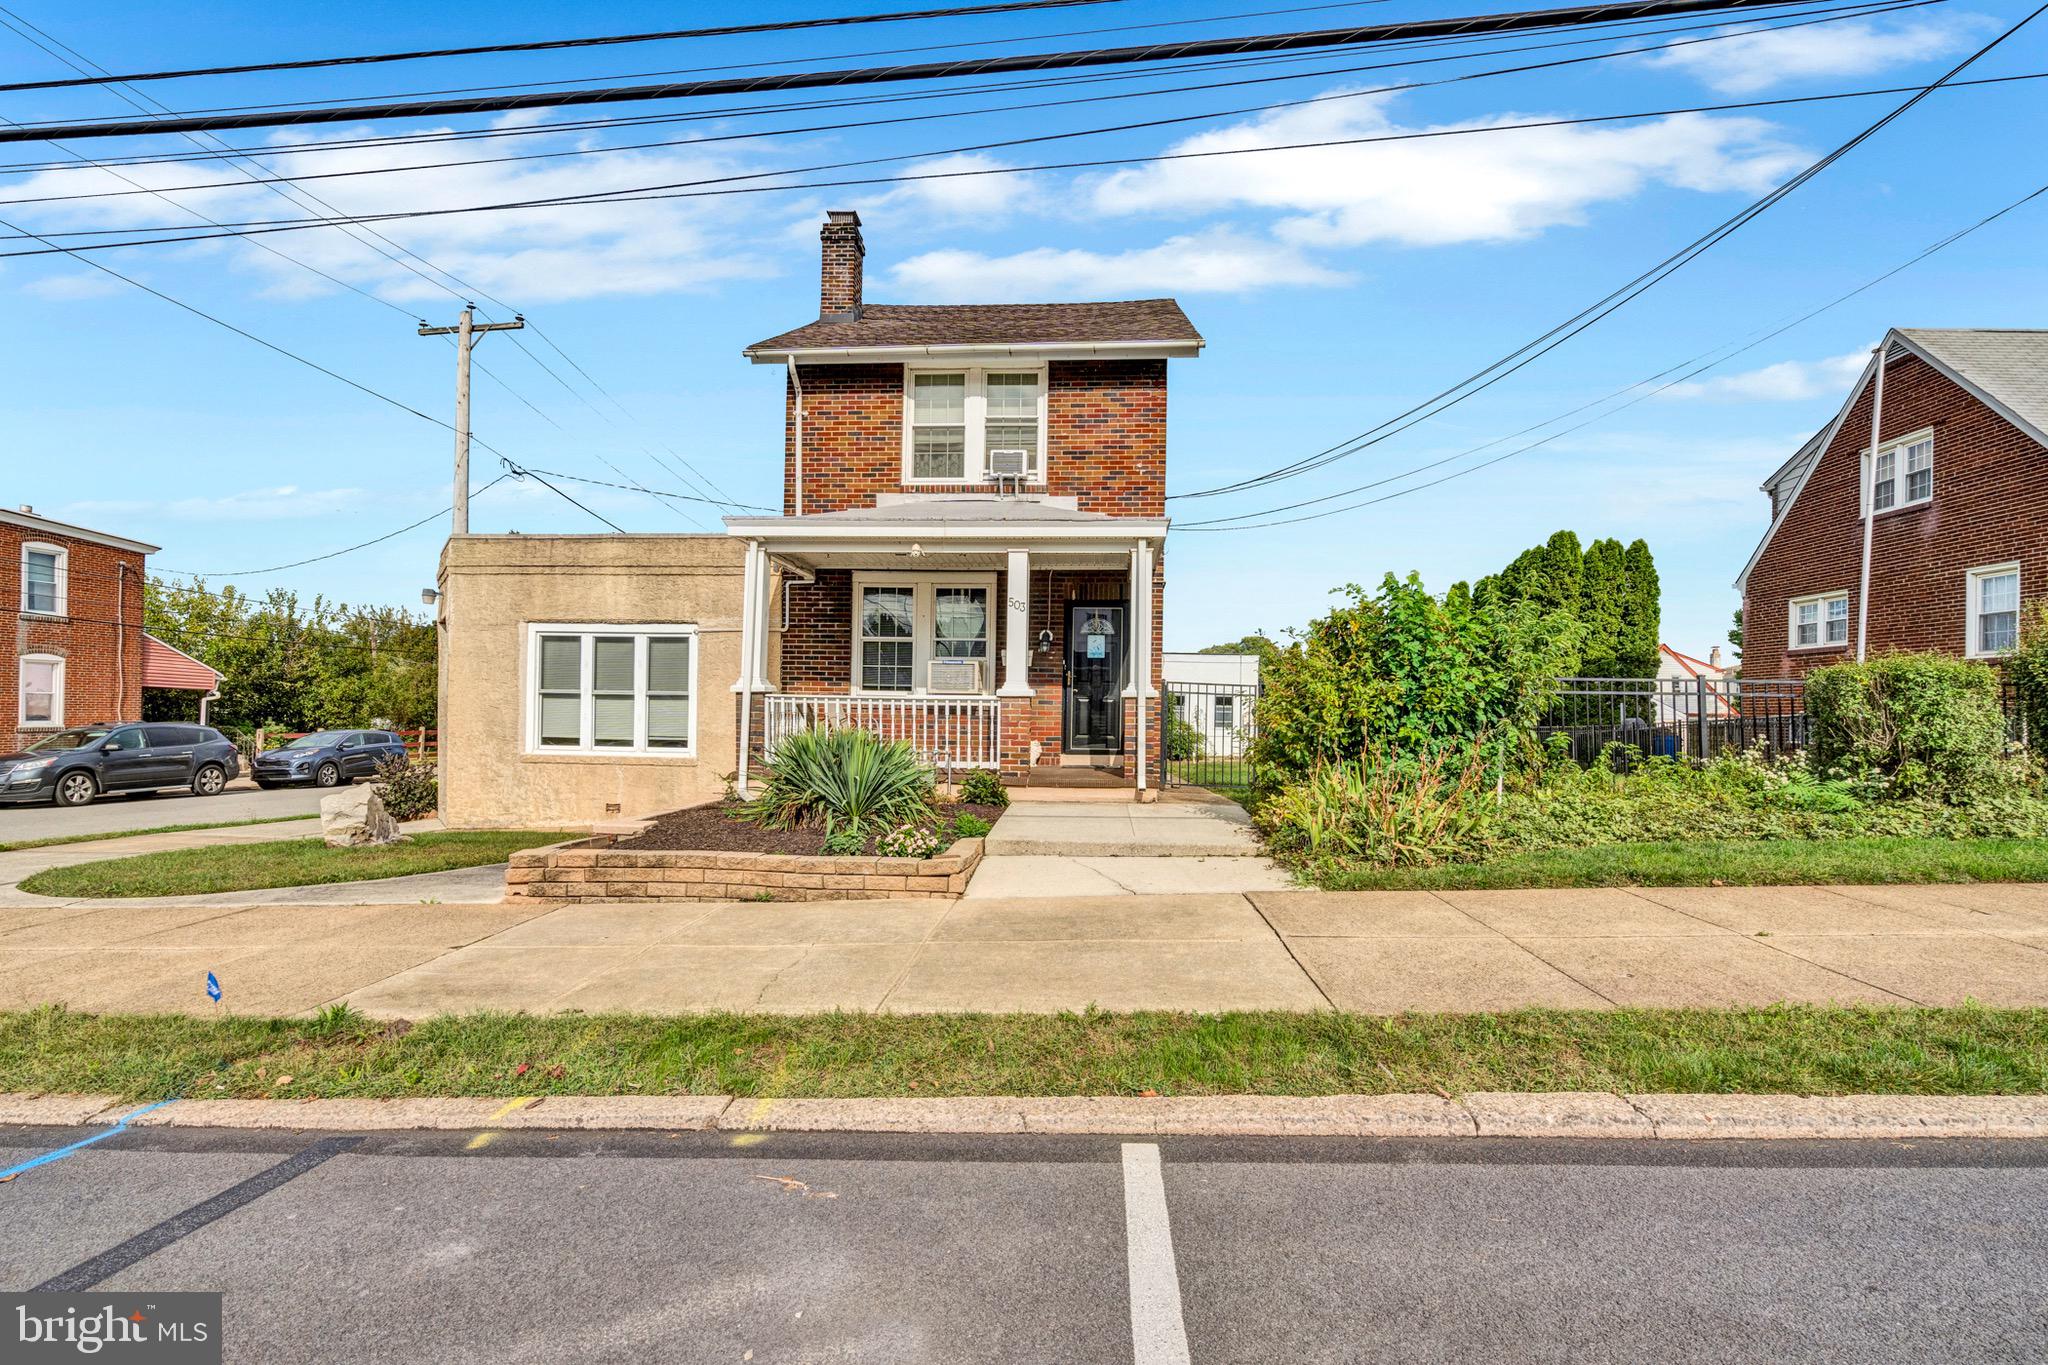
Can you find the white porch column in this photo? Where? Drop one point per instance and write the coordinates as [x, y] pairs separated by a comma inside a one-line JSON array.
[[1017, 627], [1141, 607], [1131, 669], [750, 587], [764, 602]]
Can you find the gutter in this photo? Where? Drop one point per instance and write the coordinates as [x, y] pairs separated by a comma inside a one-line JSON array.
[[964, 350]]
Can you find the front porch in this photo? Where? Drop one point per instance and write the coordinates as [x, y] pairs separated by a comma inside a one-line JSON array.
[[1006, 634]]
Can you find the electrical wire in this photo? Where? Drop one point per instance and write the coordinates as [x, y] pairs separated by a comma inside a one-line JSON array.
[[920, 71]]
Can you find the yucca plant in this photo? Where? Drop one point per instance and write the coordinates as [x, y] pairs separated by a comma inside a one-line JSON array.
[[842, 778]]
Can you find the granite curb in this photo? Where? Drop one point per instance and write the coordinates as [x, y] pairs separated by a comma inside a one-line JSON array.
[[1562, 1114]]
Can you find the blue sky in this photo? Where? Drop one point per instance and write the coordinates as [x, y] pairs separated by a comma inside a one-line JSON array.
[[1336, 286]]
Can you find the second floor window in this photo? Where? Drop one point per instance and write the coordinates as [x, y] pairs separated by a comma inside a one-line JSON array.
[[42, 579], [955, 419], [1903, 473]]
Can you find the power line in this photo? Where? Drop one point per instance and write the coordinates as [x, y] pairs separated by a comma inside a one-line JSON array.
[[555, 44], [1529, 351], [1845, 12], [691, 189], [921, 71], [600, 483], [1667, 374], [519, 472]]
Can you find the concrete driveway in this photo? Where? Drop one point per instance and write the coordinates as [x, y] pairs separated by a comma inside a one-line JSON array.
[[140, 810]]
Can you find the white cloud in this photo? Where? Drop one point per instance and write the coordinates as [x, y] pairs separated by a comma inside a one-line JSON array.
[[1441, 191], [959, 191], [73, 286], [1211, 262], [1758, 60], [253, 504], [1786, 381], [530, 255]]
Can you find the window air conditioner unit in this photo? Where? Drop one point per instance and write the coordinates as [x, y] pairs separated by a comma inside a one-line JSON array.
[[954, 677], [1008, 463]]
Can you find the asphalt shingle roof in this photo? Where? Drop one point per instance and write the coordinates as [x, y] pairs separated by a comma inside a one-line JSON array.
[[991, 324], [2010, 368]]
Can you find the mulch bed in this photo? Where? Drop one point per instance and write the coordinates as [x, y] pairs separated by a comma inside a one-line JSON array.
[[716, 829]]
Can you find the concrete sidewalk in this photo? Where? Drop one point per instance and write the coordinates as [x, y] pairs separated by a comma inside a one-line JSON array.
[[1376, 952]]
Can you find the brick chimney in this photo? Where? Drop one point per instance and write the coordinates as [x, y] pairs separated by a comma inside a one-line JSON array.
[[1714, 657], [840, 275]]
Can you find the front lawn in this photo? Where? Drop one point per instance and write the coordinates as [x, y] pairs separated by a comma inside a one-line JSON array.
[[1710, 863], [282, 862], [1788, 1049], [99, 835]]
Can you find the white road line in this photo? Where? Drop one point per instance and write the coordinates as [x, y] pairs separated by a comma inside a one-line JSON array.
[[1158, 1335]]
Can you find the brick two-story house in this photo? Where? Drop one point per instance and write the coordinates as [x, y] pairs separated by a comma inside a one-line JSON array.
[[74, 597], [974, 512], [1948, 524]]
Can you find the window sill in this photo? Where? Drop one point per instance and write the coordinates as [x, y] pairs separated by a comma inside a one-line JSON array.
[[1818, 649], [46, 615], [1903, 507], [586, 755], [39, 725]]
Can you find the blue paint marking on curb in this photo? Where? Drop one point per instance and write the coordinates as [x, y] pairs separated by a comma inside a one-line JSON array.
[[47, 1157]]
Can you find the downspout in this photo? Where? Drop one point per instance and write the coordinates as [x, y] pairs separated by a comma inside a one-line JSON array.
[[203, 700], [797, 385], [1870, 503]]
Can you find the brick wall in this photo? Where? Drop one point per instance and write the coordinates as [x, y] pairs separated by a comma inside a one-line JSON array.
[[1105, 444], [102, 659], [1989, 507]]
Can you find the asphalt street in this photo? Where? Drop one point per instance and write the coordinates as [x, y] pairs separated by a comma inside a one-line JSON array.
[[531, 1247], [145, 810]]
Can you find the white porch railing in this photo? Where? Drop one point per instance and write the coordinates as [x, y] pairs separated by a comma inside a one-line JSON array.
[[960, 732]]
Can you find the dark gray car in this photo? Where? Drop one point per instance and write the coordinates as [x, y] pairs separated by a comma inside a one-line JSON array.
[[326, 758], [72, 766]]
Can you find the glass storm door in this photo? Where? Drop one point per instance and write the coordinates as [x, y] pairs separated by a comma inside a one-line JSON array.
[[1094, 719]]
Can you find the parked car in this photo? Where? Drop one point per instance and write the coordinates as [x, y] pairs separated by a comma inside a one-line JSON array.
[[326, 758], [72, 766]]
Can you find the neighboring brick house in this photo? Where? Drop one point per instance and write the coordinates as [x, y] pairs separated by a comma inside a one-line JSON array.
[[970, 551], [75, 601], [1958, 524]]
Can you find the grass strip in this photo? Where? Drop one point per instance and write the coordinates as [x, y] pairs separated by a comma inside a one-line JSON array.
[[52, 842], [1757, 863], [1966, 1050], [281, 862]]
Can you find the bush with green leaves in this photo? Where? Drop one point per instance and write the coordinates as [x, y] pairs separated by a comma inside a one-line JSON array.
[[911, 839], [1184, 742], [846, 841], [2027, 668], [1403, 672], [968, 825], [410, 790], [984, 788], [1383, 809], [1921, 724], [835, 778]]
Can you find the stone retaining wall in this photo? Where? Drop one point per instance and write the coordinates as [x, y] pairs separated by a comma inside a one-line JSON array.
[[592, 869]]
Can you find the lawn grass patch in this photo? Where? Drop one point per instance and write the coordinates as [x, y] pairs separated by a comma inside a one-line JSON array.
[[21, 844], [282, 862], [1804, 1050], [1788, 862]]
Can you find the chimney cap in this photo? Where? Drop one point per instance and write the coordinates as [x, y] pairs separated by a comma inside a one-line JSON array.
[[847, 216]]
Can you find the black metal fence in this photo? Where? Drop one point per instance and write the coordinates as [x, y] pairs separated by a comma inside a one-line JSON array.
[[1695, 718], [1209, 732]]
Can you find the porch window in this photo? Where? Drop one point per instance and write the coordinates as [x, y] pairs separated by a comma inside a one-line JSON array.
[[954, 418], [1994, 610], [903, 623], [888, 638], [938, 426], [613, 691]]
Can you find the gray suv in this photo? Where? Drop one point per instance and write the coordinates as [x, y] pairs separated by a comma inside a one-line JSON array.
[[72, 766], [326, 758]]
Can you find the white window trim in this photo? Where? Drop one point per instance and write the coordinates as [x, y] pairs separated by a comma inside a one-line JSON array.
[[1898, 446], [923, 629], [975, 464], [1821, 600], [529, 698], [56, 721], [63, 557], [1971, 580]]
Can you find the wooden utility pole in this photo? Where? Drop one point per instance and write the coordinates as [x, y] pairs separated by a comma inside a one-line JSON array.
[[467, 332]]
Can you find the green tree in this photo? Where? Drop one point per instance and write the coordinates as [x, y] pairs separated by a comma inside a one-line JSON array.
[[1258, 642], [1641, 613], [1600, 608], [1735, 636]]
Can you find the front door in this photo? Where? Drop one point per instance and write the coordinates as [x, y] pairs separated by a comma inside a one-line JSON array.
[[1094, 713]]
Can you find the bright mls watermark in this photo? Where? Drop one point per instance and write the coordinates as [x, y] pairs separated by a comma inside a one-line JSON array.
[[164, 1329]]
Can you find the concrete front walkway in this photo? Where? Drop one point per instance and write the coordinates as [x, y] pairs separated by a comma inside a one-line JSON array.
[[1377, 952], [1186, 843]]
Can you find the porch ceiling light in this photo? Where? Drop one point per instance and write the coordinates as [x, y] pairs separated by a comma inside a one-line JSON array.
[[916, 550]]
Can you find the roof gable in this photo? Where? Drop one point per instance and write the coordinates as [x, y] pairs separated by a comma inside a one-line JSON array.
[[1132, 322]]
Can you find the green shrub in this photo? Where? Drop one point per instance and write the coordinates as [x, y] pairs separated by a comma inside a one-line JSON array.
[[2028, 669], [845, 841], [841, 777], [968, 825], [984, 788], [1184, 742], [1918, 723], [912, 839], [1384, 810], [410, 790], [1402, 671]]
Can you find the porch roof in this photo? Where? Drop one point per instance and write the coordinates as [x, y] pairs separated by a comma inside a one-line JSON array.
[[1005, 521]]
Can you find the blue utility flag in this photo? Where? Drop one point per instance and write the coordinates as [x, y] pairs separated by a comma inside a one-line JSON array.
[[212, 988]]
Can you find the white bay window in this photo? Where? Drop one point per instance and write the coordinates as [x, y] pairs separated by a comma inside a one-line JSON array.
[[902, 623], [612, 689], [955, 418]]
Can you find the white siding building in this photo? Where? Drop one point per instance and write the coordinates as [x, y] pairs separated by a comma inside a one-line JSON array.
[[1214, 693]]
